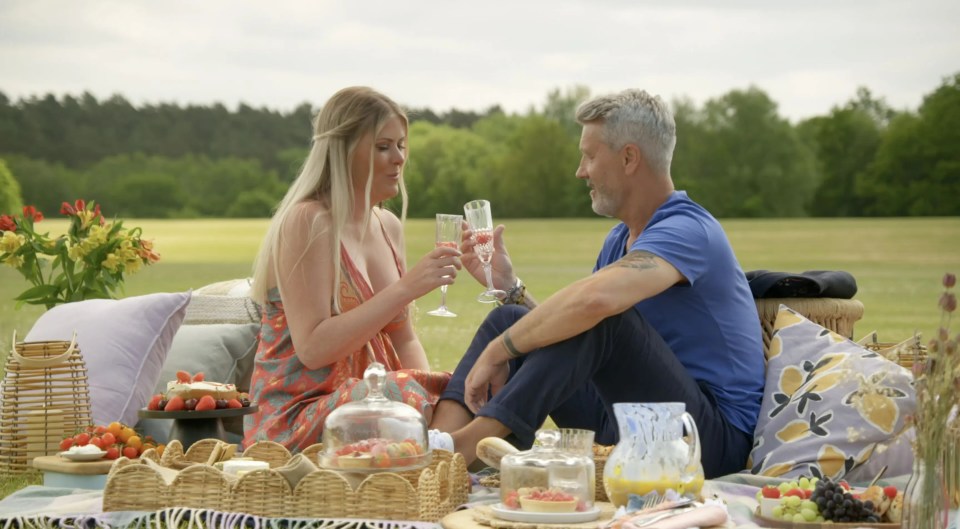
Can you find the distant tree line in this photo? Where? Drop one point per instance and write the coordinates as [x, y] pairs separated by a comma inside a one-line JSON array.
[[735, 154]]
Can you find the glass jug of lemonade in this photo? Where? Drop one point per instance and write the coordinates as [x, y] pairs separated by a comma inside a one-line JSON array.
[[659, 450]]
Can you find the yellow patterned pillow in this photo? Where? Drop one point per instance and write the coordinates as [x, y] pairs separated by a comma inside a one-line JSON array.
[[828, 403]]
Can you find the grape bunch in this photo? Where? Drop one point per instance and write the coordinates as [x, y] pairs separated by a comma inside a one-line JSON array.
[[837, 504], [794, 509]]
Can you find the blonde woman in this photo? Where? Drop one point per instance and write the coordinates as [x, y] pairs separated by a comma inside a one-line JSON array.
[[330, 276]]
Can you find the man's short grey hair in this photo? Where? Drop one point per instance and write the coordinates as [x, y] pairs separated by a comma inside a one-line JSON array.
[[634, 116]]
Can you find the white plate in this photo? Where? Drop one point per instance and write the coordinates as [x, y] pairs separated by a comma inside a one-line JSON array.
[[78, 456], [544, 517]]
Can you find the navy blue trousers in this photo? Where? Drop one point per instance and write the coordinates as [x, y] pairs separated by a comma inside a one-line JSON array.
[[577, 381]]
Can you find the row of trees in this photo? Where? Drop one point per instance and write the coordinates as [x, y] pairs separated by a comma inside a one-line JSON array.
[[735, 154]]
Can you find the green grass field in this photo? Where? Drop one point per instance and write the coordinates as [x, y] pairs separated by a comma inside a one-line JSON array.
[[898, 264]]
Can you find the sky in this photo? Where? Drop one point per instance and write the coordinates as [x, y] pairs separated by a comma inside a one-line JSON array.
[[808, 56]]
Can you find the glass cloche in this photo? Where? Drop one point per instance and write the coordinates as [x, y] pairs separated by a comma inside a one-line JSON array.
[[548, 478], [375, 434]]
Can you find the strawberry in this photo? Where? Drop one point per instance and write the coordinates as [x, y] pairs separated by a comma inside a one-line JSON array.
[[234, 403], [770, 491], [183, 376], [112, 453], [890, 491], [198, 377], [66, 443], [205, 403], [154, 403], [175, 404], [82, 439], [794, 492]]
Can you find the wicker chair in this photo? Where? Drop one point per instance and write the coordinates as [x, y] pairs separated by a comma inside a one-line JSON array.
[[838, 315]]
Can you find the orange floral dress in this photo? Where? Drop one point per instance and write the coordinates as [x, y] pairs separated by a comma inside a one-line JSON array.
[[294, 401]]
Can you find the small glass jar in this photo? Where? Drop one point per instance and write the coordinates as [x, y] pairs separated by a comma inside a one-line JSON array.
[[547, 478], [375, 434]]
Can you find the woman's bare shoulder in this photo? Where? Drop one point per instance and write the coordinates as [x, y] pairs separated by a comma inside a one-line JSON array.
[[310, 208], [391, 223]]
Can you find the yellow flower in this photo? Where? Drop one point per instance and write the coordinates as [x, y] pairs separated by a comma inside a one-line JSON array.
[[86, 217], [111, 262], [133, 265], [11, 242], [14, 260], [98, 234], [76, 252]]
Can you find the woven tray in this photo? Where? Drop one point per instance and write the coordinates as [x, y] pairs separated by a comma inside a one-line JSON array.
[[905, 353], [426, 495]]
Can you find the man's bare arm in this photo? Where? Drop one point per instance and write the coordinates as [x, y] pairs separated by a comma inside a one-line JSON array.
[[584, 303]]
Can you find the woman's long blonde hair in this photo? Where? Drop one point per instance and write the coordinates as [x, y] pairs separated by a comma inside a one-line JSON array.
[[325, 175]]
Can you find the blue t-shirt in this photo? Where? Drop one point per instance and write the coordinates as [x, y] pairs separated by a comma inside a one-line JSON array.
[[711, 322]]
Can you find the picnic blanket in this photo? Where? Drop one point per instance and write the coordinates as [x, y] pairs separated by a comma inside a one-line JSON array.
[[42, 507], [38, 506]]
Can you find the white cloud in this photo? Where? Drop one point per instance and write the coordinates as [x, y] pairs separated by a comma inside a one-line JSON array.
[[447, 53]]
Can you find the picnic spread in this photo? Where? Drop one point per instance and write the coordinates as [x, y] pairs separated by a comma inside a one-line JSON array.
[[56, 507]]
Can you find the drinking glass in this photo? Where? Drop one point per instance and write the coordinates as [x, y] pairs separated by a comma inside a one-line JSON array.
[[448, 234], [480, 221]]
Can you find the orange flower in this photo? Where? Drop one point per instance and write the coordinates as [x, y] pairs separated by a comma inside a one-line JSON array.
[[146, 251]]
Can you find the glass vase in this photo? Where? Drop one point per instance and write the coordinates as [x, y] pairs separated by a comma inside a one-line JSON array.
[[926, 504]]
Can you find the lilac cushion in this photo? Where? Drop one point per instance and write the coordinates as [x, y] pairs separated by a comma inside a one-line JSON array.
[[124, 344]]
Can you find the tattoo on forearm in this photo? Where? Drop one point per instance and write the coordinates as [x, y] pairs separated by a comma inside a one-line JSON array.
[[639, 259]]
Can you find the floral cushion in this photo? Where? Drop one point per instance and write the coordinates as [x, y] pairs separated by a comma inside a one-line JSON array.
[[829, 405]]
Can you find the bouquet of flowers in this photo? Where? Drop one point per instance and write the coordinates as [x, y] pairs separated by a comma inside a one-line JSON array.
[[937, 382], [87, 262]]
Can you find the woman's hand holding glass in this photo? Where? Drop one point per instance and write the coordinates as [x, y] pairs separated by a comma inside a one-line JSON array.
[[448, 236], [438, 268]]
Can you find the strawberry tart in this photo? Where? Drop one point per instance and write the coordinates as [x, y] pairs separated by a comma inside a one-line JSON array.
[[192, 392], [189, 386]]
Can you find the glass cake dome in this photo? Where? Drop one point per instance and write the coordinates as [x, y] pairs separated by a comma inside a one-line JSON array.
[[375, 434], [548, 478]]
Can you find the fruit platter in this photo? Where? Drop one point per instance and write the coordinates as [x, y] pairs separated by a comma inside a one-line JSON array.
[[106, 442], [812, 503]]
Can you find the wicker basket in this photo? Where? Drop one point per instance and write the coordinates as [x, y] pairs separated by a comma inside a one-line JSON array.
[[905, 353], [427, 494], [838, 315], [45, 397]]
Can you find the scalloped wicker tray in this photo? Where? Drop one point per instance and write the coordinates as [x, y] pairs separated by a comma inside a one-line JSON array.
[[427, 494]]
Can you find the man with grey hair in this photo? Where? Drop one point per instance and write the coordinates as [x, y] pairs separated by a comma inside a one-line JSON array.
[[667, 315]]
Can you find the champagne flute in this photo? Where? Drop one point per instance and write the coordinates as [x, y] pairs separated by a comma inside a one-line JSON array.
[[480, 221], [448, 234]]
